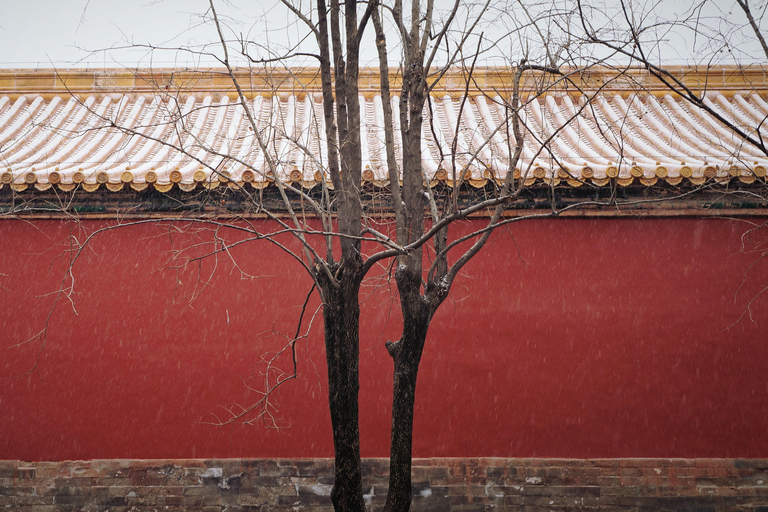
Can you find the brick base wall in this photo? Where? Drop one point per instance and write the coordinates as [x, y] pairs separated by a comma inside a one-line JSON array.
[[459, 484]]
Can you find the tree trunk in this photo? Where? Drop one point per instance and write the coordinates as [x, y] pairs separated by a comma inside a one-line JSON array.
[[341, 313], [406, 354]]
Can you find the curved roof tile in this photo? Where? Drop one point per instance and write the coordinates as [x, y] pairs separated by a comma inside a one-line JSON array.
[[114, 139]]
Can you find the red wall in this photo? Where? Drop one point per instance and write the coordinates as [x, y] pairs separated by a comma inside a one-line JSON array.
[[564, 338]]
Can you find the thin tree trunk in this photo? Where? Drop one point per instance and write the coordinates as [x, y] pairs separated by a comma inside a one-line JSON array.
[[406, 354], [341, 313]]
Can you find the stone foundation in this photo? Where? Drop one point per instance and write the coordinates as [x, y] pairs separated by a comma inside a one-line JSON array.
[[439, 484]]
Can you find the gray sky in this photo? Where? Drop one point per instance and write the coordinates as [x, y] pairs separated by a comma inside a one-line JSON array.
[[64, 33], [69, 33]]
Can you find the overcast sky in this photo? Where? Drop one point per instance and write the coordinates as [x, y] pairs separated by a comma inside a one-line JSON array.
[[66, 33], [69, 33]]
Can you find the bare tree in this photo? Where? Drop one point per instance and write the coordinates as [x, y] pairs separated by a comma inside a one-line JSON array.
[[422, 285], [337, 239]]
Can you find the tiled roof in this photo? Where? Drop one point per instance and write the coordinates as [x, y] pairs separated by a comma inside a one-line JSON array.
[[68, 138]]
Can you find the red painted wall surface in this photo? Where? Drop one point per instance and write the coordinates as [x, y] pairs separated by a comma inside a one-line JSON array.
[[564, 338]]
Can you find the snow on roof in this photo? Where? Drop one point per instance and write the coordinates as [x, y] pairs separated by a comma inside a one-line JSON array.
[[121, 129]]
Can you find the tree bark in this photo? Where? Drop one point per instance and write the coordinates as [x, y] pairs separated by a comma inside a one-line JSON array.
[[340, 288], [341, 314], [406, 355]]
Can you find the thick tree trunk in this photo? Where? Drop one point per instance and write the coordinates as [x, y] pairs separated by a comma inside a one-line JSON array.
[[406, 354], [342, 320]]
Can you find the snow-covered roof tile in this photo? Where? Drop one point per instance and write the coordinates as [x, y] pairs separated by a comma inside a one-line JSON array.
[[118, 133]]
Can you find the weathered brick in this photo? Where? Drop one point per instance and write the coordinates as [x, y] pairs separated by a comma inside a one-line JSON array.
[[48, 470], [547, 474], [38, 508], [74, 482], [512, 500], [496, 472], [110, 481], [729, 463], [173, 501], [631, 480], [153, 501], [251, 500], [251, 482], [7, 468], [313, 467], [606, 463], [751, 463], [21, 490], [423, 504], [191, 501], [8, 500], [376, 467], [199, 490], [25, 472], [116, 501], [67, 499], [438, 484], [274, 468], [161, 490], [296, 501], [33, 500], [549, 490], [166, 474]]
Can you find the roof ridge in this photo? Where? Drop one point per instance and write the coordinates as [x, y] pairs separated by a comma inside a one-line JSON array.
[[62, 82]]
